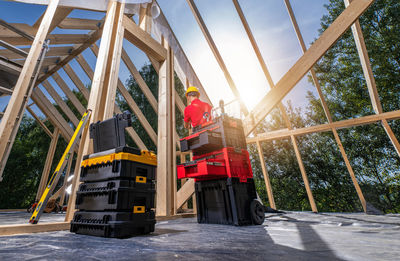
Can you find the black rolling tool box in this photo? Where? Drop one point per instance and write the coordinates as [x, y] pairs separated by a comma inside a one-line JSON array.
[[219, 133], [118, 195], [113, 224], [122, 162], [110, 134], [228, 201]]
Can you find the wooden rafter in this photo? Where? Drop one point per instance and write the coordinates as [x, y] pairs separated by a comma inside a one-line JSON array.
[[304, 64]]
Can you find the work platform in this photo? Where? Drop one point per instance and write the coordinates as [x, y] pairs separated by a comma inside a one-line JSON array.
[[288, 236]]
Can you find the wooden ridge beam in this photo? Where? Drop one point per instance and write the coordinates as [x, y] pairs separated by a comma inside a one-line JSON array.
[[304, 64], [279, 134], [143, 40]]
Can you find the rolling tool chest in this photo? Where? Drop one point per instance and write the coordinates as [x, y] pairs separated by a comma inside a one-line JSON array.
[[116, 198], [224, 185]]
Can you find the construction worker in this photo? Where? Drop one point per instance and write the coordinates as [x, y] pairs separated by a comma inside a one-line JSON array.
[[197, 112]]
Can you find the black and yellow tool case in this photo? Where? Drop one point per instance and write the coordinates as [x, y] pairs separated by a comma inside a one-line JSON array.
[[121, 162], [122, 195], [113, 224]]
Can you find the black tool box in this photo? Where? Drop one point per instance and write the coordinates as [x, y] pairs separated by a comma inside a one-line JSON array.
[[113, 224], [121, 195], [109, 134], [122, 162], [228, 201], [219, 133]]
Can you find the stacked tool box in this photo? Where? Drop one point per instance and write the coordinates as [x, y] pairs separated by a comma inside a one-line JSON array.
[[225, 190], [116, 197]]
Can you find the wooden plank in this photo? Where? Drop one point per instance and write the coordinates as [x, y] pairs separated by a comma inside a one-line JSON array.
[[393, 115], [47, 166], [143, 40], [21, 93], [80, 24], [267, 182], [216, 53], [54, 39], [71, 96], [5, 90], [60, 102], [8, 230], [53, 51], [391, 136], [304, 64]]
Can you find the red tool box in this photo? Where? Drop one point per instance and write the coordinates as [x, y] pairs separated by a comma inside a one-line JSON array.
[[227, 162]]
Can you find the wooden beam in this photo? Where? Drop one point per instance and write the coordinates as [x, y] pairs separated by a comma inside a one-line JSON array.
[[100, 90], [216, 53], [48, 61], [393, 115], [304, 64], [184, 194], [52, 113], [92, 37], [75, 79], [138, 78], [131, 103], [16, 30], [44, 127], [325, 106], [79, 24], [5, 90], [12, 48], [47, 166], [54, 39], [60, 102], [8, 230], [166, 150], [267, 182], [53, 51], [17, 103], [143, 40], [71, 96], [182, 65], [85, 66]]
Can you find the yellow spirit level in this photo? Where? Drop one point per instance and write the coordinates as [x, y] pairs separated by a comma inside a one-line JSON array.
[[60, 167]]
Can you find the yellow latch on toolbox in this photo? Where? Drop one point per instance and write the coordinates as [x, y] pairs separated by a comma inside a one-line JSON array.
[[140, 179], [138, 209], [146, 157]]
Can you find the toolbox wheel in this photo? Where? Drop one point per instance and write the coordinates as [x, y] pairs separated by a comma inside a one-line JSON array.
[[257, 212]]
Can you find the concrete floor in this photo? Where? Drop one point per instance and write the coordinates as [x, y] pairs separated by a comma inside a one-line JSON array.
[[289, 236]]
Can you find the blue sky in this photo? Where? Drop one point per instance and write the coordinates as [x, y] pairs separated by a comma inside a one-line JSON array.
[[268, 20]]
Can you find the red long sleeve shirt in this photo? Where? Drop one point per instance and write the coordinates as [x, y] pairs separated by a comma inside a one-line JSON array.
[[195, 112]]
